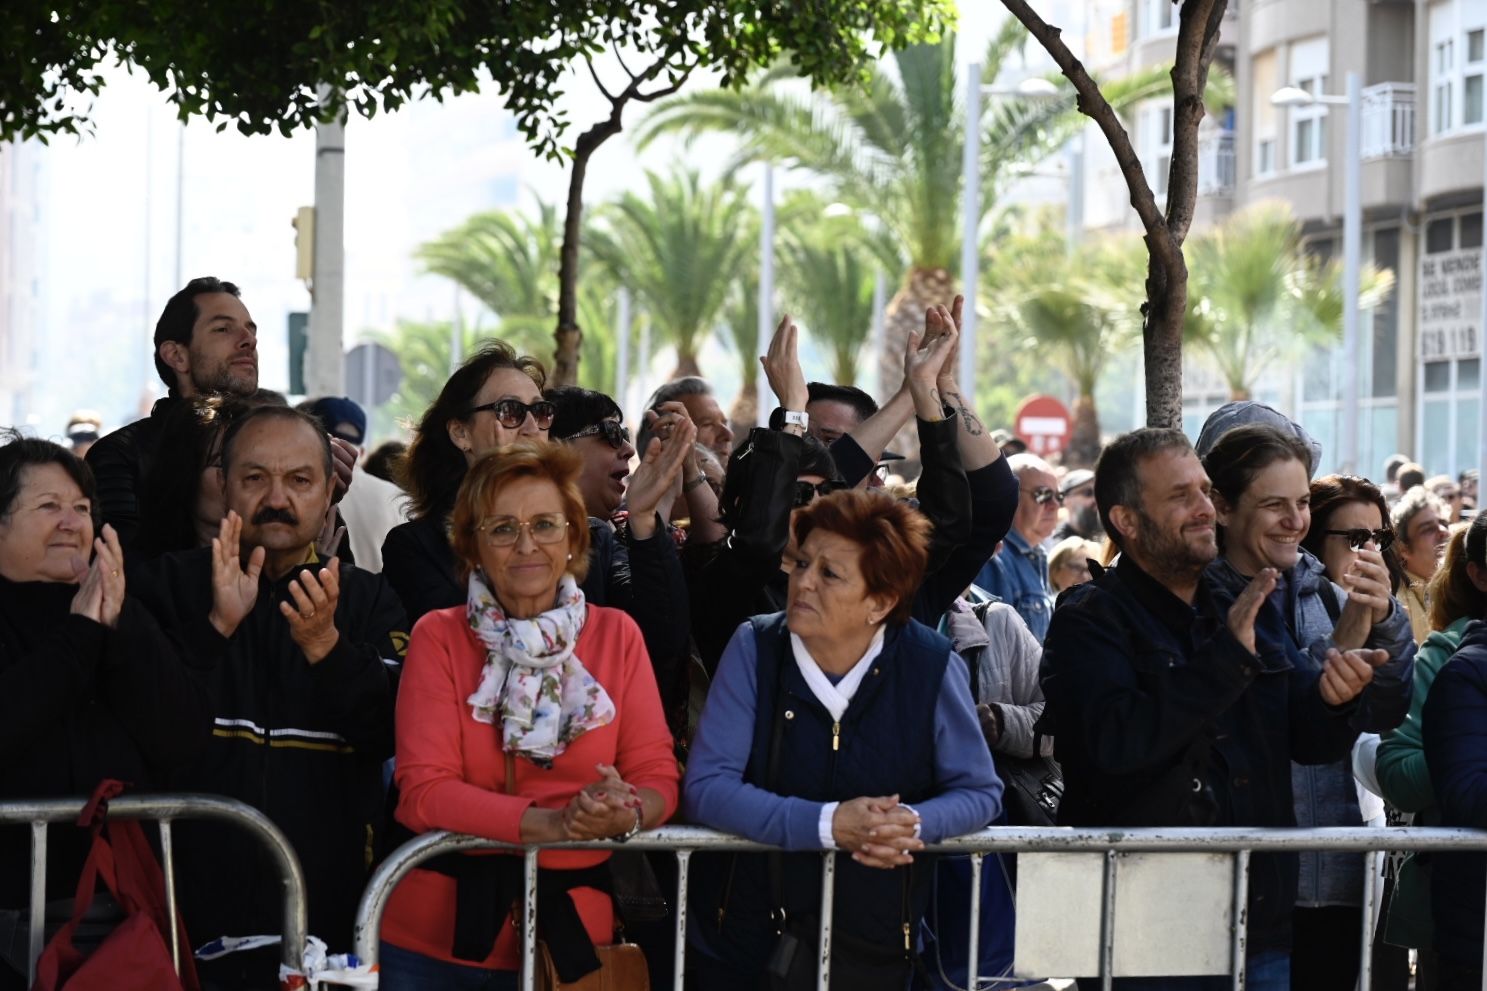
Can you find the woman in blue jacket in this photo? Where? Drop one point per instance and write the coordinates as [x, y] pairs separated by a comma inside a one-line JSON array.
[[1262, 497], [839, 724]]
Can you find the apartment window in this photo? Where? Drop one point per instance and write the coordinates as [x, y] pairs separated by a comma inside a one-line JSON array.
[[1458, 66], [1160, 17], [1155, 124], [1263, 84], [1308, 134], [1449, 345]]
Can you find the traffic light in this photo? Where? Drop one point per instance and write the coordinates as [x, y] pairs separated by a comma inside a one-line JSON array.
[[304, 243], [299, 342]]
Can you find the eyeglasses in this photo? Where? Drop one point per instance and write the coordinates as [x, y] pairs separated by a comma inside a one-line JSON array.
[[505, 531], [1044, 495], [512, 413], [614, 433], [805, 491], [1383, 538]]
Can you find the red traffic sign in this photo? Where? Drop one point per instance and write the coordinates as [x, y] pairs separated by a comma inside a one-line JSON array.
[[1044, 424]]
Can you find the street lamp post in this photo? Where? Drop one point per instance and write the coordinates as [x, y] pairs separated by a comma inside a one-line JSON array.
[[1032, 88], [1352, 248]]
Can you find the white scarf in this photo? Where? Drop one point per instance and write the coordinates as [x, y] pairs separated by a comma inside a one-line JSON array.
[[835, 697], [545, 696]]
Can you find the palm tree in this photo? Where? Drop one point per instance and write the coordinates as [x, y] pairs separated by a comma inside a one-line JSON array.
[[1255, 295], [679, 250], [508, 260], [827, 272], [741, 325], [1075, 312], [892, 149]]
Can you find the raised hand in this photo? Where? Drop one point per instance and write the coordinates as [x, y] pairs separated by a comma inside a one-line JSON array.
[[660, 466], [328, 541], [88, 600], [950, 371], [782, 366], [343, 459], [234, 588], [1242, 613], [1367, 582], [108, 561], [924, 356], [1346, 673], [312, 615]]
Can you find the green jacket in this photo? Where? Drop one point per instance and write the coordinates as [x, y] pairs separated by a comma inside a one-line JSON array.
[[1405, 780]]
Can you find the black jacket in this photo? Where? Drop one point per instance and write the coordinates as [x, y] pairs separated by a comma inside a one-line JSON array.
[[120, 460], [1161, 718], [302, 743], [970, 513], [642, 577], [79, 703]]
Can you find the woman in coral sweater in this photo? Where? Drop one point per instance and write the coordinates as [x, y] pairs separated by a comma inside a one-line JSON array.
[[525, 716]]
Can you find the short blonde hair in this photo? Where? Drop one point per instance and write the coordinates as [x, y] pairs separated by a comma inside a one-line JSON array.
[[1072, 549], [489, 477]]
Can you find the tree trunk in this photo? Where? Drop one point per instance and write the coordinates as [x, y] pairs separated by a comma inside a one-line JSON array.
[[1084, 444], [745, 411], [922, 288], [1238, 395], [686, 364], [1162, 344]]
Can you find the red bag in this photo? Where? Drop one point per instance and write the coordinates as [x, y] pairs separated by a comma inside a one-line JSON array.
[[135, 956]]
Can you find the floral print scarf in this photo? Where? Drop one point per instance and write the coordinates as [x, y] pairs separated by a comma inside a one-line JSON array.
[[545, 697]]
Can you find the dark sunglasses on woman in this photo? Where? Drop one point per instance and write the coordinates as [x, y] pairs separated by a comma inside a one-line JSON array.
[[805, 491], [615, 434], [512, 413], [1382, 538]]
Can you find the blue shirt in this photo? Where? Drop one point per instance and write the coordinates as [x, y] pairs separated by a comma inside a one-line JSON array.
[[715, 794], [1018, 575]]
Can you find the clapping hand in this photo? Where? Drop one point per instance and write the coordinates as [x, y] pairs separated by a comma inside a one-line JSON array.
[[312, 614], [1242, 613], [925, 356], [1367, 583], [234, 588], [659, 469], [328, 542], [782, 366], [878, 831], [342, 462], [606, 808], [100, 593], [1346, 673]]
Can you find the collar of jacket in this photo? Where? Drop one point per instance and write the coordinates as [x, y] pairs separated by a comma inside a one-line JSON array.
[[1022, 547], [964, 629], [1169, 610]]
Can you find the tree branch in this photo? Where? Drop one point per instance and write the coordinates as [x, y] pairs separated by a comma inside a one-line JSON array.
[[620, 58], [1092, 104], [1197, 40], [597, 81]]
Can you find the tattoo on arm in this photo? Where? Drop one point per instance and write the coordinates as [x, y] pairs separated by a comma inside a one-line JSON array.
[[972, 422]]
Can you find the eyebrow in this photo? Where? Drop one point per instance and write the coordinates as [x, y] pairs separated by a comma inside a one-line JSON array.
[[262, 467]]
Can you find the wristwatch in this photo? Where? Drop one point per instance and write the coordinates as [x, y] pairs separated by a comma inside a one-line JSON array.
[[782, 418], [634, 830]]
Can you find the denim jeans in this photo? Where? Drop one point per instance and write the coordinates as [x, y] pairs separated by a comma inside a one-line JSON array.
[[1267, 970], [404, 970]]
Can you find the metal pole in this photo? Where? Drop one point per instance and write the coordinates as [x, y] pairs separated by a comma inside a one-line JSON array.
[[880, 300], [38, 898], [1352, 261], [1240, 945], [1075, 232], [970, 249], [622, 348], [766, 297], [679, 964], [1482, 329], [324, 374]]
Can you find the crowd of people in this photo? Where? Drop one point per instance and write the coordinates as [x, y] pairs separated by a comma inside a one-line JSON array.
[[535, 625]]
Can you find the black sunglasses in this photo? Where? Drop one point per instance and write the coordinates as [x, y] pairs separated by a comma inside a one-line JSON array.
[[805, 491], [1383, 537], [1044, 495], [512, 413], [615, 434]]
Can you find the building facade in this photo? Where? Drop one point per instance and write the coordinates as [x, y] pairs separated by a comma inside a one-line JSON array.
[[1422, 66]]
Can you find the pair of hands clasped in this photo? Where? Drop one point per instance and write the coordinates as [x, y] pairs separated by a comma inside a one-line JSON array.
[[879, 831], [100, 589], [311, 615], [1345, 673]]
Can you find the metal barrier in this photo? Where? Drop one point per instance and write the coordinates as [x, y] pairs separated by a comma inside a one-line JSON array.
[[683, 841], [165, 809]]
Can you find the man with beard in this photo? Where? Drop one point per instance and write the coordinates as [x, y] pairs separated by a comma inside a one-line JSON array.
[[205, 342], [1081, 515], [1170, 706], [302, 696]]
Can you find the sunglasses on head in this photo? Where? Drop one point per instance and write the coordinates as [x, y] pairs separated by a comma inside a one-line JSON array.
[[1044, 495], [615, 434], [512, 413], [805, 491], [1383, 538]]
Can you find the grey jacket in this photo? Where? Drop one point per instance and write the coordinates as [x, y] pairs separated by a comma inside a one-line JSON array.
[[1326, 794], [1006, 656]]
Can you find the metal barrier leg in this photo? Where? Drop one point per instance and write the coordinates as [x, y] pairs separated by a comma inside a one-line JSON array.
[[1484, 960], [1370, 897], [828, 903], [38, 899], [973, 962], [683, 864], [168, 862], [1241, 917], [529, 921], [1107, 924]]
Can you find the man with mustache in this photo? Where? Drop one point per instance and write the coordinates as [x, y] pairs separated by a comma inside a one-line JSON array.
[[303, 696]]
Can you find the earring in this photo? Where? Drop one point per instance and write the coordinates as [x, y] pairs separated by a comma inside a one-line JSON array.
[[570, 555]]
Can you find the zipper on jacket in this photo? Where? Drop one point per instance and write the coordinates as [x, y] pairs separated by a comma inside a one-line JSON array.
[[836, 736]]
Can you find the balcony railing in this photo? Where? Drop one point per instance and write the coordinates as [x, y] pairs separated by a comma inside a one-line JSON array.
[[1216, 163], [1388, 120]]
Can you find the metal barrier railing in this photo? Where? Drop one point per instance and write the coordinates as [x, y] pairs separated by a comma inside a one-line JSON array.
[[683, 841], [164, 809]]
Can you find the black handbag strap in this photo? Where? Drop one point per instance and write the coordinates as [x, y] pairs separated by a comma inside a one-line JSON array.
[[771, 783]]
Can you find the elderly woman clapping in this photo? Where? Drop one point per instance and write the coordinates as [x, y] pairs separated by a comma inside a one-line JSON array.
[[90, 688], [525, 715], [838, 724]]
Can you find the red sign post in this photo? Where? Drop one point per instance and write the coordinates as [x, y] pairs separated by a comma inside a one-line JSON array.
[[1044, 424]]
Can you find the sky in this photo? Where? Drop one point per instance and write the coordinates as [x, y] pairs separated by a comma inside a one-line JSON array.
[[130, 212]]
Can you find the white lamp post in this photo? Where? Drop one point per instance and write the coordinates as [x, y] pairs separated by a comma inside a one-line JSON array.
[[1032, 88], [1352, 247]]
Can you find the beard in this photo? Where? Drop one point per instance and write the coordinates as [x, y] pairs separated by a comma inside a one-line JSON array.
[[226, 380], [1172, 555]]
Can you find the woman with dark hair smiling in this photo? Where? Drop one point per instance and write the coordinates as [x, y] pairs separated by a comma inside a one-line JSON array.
[[843, 724], [1262, 501]]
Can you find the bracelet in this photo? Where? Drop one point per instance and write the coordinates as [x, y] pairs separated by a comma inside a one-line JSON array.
[[634, 830], [692, 483]]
